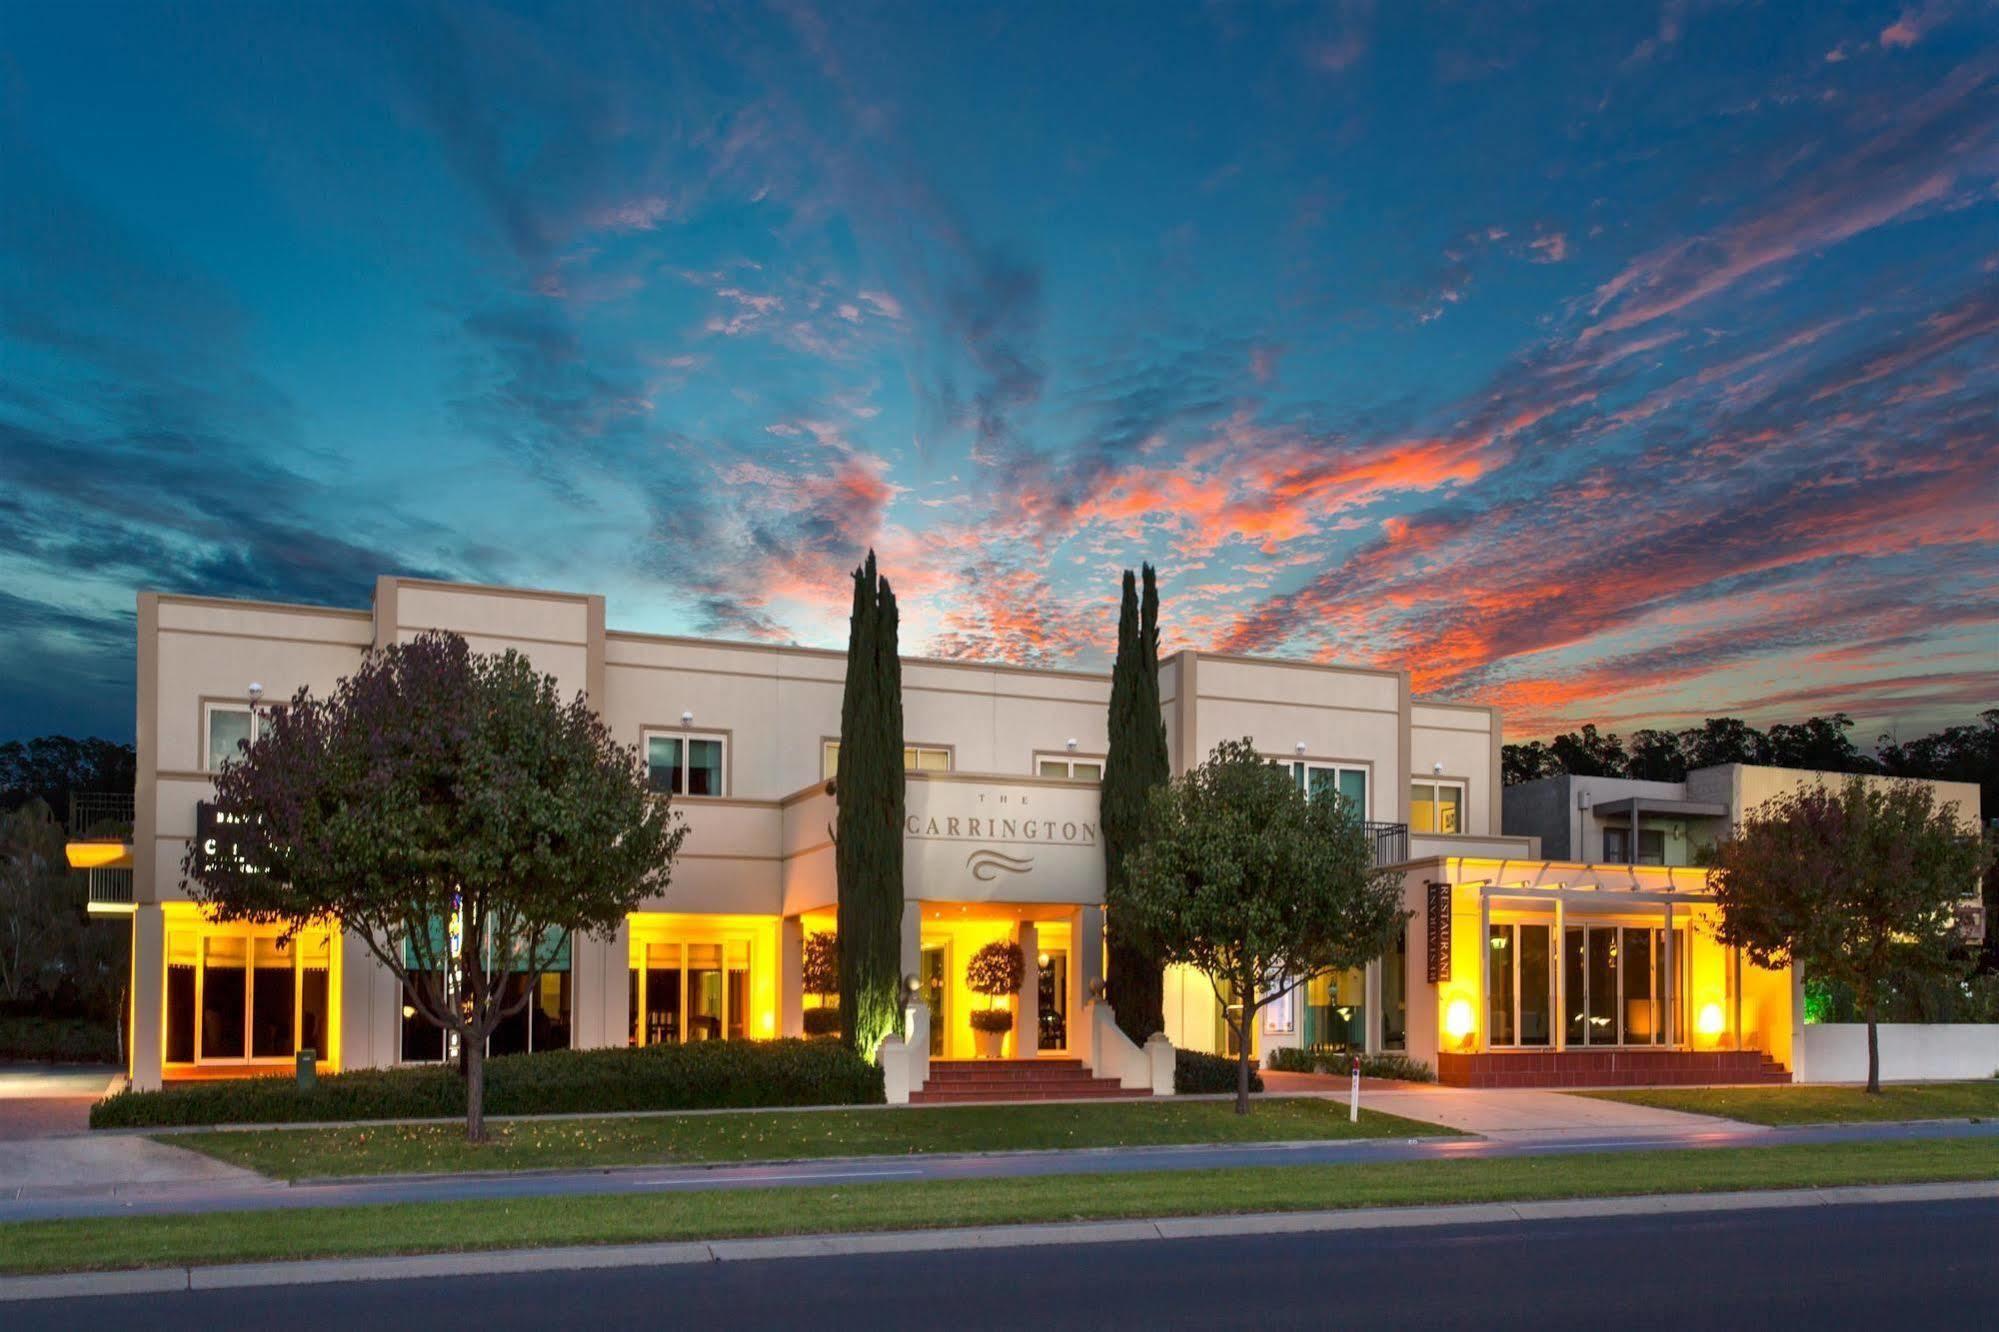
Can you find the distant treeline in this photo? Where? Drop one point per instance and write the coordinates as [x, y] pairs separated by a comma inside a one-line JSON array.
[[50, 768], [1968, 753]]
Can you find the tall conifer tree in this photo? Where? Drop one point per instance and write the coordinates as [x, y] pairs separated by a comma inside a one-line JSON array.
[[870, 794], [1136, 763]]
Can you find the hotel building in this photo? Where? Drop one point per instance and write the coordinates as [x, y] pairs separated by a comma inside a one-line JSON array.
[[1512, 968]]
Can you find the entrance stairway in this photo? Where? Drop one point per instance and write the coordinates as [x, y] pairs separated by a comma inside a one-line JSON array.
[[968, 1081], [1611, 1068]]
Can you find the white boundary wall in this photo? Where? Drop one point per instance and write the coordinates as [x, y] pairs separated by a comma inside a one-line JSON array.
[[1837, 1051]]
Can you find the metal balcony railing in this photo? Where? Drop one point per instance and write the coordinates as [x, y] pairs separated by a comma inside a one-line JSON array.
[[1391, 842], [110, 889], [100, 816]]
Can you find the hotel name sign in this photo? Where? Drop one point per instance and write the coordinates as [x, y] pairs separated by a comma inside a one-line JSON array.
[[1002, 842]]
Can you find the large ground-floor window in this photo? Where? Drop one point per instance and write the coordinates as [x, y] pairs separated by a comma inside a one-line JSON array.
[[238, 994], [543, 1023], [683, 988]]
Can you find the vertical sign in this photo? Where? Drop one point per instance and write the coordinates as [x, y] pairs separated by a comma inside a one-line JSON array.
[[1439, 925]]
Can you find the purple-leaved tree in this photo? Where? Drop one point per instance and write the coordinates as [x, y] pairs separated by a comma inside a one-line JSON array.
[[452, 811]]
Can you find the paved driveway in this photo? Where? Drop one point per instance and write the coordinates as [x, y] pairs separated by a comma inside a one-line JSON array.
[[47, 1150], [1540, 1116]]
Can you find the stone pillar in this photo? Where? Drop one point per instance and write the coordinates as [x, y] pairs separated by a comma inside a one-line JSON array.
[[1371, 995], [149, 994], [1089, 950], [1027, 1008], [791, 976], [1077, 1018]]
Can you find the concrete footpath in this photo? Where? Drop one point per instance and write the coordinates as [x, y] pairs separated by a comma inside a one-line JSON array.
[[514, 1261]]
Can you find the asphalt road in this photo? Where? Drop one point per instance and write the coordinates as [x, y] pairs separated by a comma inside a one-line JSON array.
[[235, 1196], [1882, 1265]]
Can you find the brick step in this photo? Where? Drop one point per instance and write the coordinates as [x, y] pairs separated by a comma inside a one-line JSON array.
[[1611, 1068], [940, 1097], [999, 1085]]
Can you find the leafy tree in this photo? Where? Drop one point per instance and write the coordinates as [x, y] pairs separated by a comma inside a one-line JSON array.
[[1856, 884], [1135, 764], [1656, 756], [1585, 753], [868, 839], [820, 970], [1526, 763], [33, 902], [1721, 740], [1967, 753], [1243, 878], [452, 812], [1818, 743], [50, 768]]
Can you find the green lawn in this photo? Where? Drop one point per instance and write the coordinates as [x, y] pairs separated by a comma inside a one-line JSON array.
[[789, 1135], [139, 1241], [1824, 1105]]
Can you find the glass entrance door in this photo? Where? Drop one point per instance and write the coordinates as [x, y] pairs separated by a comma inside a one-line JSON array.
[[1614, 979], [1519, 985], [935, 987]]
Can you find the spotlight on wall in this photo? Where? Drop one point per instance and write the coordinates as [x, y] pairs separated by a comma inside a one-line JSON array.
[[1072, 744], [1458, 1021], [256, 692], [687, 719], [1437, 769], [1301, 746], [1710, 1022]]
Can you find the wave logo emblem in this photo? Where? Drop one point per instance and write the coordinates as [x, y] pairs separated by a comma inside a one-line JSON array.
[[987, 865]]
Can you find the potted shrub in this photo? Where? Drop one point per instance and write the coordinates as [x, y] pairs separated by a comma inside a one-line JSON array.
[[995, 972], [819, 975]]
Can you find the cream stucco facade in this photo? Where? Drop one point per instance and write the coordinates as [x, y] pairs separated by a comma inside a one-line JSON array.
[[1002, 840]]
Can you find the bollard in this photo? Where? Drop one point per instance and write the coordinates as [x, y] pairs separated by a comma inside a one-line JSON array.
[[1353, 1105], [308, 1070]]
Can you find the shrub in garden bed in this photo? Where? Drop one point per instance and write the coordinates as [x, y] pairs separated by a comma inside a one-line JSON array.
[[1196, 1073], [1324, 1059], [822, 1022], [701, 1076], [63, 1040]]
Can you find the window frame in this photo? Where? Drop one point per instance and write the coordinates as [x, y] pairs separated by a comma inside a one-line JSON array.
[[259, 719], [295, 949], [1300, 766], [1042, 756], [829, 746], [1461, 785], [685, 735]]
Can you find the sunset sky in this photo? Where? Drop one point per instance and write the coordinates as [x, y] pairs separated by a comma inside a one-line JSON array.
[[1619, 362]]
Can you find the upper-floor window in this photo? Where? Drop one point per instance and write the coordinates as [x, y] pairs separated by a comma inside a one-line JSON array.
[[915, 758], [1075, 768], [686, 764], [1436, 807], [1651, 846], [230, 729], [1318, 779]]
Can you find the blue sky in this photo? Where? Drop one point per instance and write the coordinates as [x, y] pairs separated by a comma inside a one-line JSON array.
[[1628, 363]]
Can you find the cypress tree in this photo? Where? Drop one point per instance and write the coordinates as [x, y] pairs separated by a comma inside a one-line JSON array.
[[868, 840], [1136, 763]]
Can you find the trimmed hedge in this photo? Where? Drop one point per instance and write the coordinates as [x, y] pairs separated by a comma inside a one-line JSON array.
[[1195, 1073], [822, 1022], [1325, 1059], [704, 1075], [62, 1040]]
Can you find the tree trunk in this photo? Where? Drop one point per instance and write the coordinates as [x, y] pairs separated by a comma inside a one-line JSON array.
[[475, 1088], [1873, 1048], [1242, 1064]]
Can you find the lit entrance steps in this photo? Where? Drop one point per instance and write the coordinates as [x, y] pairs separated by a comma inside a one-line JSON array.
[[966, 1081]]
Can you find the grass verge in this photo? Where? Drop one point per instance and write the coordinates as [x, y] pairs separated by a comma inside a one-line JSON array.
[[701, 1139], [226, 1237], [1824, 1105]]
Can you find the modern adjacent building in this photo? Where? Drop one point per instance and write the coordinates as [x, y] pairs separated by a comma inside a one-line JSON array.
[[1513, 966]]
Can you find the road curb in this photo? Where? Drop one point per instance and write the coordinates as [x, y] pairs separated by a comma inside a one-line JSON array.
[[586, 1257]]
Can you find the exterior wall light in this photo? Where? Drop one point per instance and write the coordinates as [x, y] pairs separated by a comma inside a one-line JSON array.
[[687, 719], [1458, 1021], [1301, 746], [1072, 744], [1710, 1021]]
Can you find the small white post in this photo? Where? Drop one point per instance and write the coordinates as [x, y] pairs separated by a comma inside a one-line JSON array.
[[1353, 1104]]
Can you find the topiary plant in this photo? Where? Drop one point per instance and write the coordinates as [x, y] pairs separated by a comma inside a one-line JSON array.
[[997, 1021], [996, 971]]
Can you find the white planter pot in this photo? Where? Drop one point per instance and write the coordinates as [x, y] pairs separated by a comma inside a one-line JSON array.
[[989, 1044]]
